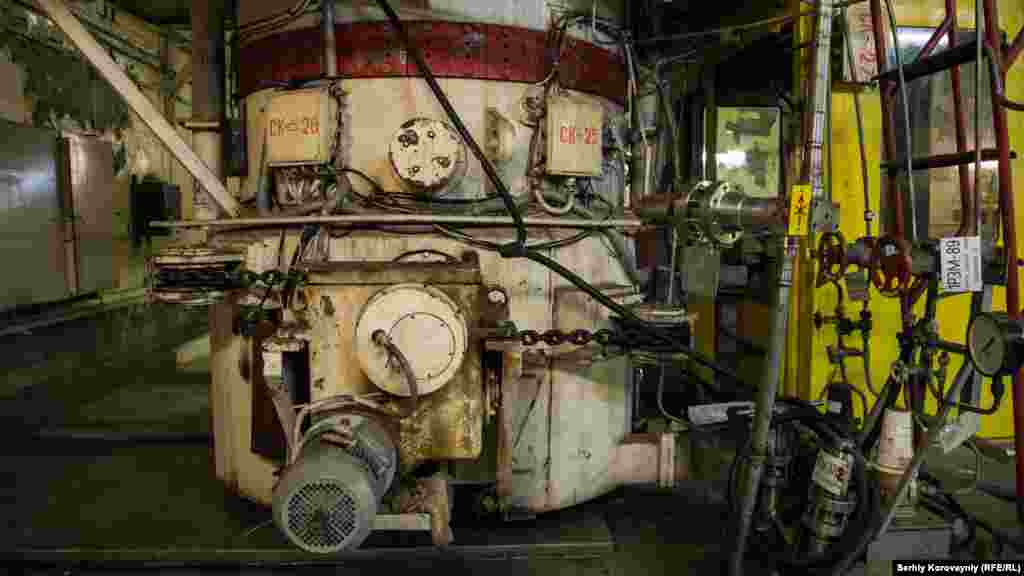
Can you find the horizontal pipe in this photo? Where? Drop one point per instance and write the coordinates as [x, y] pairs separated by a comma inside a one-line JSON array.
[[951, 347], [400, 219], [755, 213]]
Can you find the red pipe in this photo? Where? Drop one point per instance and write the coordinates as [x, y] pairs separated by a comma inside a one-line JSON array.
[[967, 220], [1008, 214], [1015, 50], [947, 27], [889, 139]]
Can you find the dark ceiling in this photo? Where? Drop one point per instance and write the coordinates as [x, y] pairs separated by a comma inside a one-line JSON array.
[[164, 12]]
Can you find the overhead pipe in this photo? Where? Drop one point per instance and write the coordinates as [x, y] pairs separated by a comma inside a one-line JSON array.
[[888, 128], [137, 101]]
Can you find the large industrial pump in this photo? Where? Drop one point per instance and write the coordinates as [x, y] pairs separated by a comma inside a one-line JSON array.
[[426, 281], [365, 327]]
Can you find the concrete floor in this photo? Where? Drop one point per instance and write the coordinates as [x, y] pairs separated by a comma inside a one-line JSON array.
[[132, 501]]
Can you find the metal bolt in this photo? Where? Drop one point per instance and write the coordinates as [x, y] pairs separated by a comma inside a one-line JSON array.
[[497, 297]]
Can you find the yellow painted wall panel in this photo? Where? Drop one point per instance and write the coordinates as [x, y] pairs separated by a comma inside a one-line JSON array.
[[848, 192]]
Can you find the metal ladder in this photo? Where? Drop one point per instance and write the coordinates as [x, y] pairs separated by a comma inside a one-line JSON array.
[[928, 62]]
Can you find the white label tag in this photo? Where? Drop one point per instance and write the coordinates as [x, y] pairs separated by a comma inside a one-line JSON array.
[[831, 473], [835, 407], [960, 259]]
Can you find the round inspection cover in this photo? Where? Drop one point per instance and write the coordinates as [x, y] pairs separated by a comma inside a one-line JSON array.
[[427, 155], [428, 328]]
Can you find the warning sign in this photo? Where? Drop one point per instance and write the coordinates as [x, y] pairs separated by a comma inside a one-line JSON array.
[[799, 210]]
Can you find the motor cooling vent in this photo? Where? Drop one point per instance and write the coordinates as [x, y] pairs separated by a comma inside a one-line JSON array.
[[323, 516], [327, 499]]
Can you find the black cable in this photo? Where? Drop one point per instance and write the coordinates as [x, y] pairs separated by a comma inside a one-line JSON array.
[[518, 249], [893, 390], [866, 499], [998, 389], [381, 338], [628, 314], [386, 195], [953, 504], [485, 163]]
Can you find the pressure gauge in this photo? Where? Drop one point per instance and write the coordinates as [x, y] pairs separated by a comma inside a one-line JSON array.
[[994, 343]]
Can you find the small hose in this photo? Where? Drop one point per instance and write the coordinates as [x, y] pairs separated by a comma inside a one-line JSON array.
[[866, 357], [381, 338]]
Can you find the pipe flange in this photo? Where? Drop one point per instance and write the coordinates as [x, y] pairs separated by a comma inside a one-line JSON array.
[[713, 213], [428, 156]]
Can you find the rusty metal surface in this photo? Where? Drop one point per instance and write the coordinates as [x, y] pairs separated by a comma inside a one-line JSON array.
[[370, 273], [453, 50], [428, 496], [550, 413], [447, 424], [91, 165]]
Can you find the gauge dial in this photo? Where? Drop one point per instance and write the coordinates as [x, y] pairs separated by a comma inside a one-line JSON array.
[[988, 344]]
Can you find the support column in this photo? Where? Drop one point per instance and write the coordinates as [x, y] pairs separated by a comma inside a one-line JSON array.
[[208, 102]]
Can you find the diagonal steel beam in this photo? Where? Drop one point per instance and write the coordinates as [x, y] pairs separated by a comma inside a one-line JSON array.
[[137, 101]]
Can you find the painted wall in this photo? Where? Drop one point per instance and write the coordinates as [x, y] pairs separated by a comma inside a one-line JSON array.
[[848, 192]]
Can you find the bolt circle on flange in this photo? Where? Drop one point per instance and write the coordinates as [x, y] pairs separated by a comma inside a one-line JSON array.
[[427, 156]]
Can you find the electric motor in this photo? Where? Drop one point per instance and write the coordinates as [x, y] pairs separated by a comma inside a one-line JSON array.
[[327, 498]]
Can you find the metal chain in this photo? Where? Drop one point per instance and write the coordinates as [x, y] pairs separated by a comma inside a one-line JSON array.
[[628, 336], [579, 337]]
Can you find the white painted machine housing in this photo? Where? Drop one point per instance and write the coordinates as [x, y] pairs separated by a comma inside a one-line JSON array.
[[567, 420]]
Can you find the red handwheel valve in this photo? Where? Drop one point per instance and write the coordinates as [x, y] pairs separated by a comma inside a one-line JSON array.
[[891, 269], [831, 256]]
